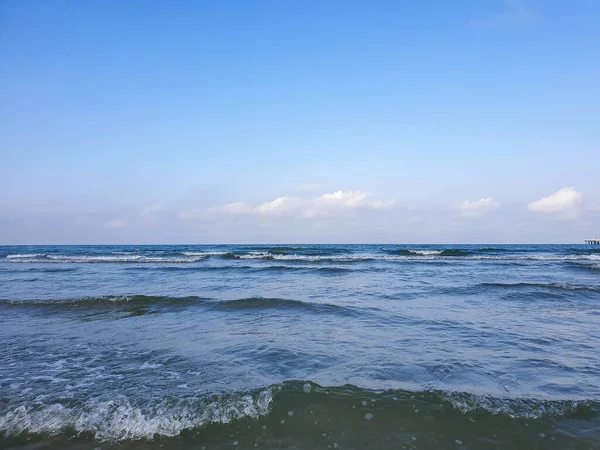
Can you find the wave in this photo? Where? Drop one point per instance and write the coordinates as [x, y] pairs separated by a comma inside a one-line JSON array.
[[414, 252], [584, 265], [304, 250], [519, 408], [588, 250], [25, 255], [262, 303], [86, 259], [310, 258], [42, 269], [550, 286], [254, 269], [303, 404], [137, 303], [411, 256], [449, 252], [455, 253], [108, 300], [319, 269], [121, 419], [389, 255], [563, 258]]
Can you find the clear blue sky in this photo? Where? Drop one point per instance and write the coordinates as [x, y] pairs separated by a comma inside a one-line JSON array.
[[439, 121]]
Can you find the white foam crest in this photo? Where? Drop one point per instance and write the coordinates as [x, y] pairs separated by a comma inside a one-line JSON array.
[[97, 258], [572, 287], [515, 408], [256, 255], [423, 255], [204, 254], [109, 259], [336, 258], [190, 257], [118, 419], [150, 365], [563, 258]]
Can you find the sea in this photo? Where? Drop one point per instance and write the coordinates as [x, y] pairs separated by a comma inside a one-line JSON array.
[[300, 347]]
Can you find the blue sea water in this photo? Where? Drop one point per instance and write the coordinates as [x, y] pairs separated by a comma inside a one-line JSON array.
[[300, 346]]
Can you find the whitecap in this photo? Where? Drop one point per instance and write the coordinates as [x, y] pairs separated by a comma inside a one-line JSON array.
[[119, 419], [516, 408], [149, 365]]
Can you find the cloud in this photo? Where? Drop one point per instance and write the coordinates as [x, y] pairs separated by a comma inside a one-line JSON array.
[[232, 208], [115, 223], [149, 210], [477, 208], [344, 199], [564, 202], [516, 12], [326, 204], [278, 206]]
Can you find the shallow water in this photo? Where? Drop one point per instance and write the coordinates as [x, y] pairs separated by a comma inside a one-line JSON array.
[[358, 346]]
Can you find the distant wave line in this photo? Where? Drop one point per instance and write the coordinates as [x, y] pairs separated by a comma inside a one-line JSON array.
[[193, 257]]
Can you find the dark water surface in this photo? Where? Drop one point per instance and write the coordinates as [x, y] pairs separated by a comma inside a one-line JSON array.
[[298, 346]]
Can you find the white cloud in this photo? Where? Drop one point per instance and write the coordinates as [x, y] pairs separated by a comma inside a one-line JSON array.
[[233, 208], [287, 205], [564, 202], [278, 206], [516, 12], [115, 223], [478, 207], [149, 210], [230, 209], [344, 199]]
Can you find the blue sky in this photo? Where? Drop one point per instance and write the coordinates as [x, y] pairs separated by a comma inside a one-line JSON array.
[[299, 121]]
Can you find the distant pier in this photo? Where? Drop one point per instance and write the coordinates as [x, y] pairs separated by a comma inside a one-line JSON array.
[[593, 241]]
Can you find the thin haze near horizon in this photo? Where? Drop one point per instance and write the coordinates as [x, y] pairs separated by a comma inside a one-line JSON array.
[[299, 122]]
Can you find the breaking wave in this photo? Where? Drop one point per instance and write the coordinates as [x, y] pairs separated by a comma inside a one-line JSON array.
[[449, 252], [387, 255], [129, 303], [24, 255], [550, 286], [109, 300], [122, 418], [122, 258]]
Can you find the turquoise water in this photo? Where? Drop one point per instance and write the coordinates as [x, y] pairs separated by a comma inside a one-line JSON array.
[[299, 346]]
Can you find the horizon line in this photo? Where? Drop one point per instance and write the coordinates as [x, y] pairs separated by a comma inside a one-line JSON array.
[[294, 243]]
